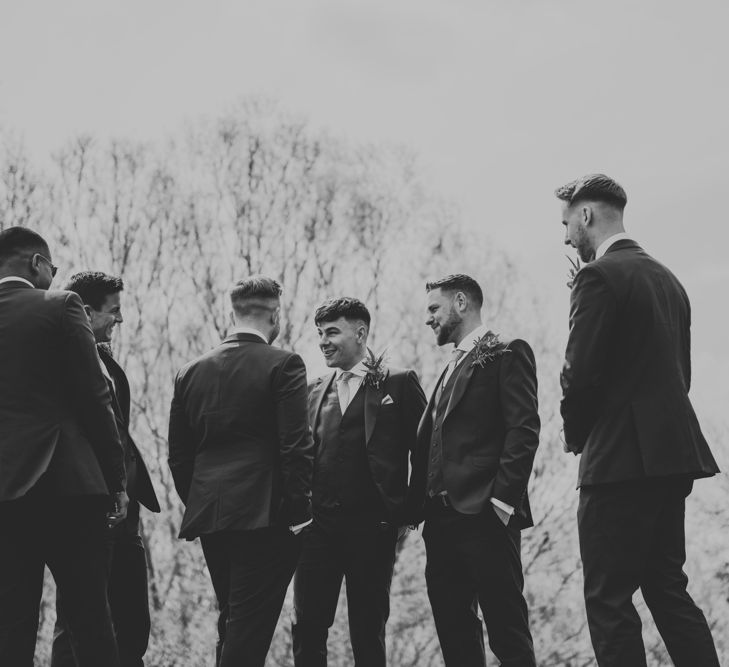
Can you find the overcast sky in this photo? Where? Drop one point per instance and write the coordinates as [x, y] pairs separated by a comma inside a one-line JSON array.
[[503, 100]]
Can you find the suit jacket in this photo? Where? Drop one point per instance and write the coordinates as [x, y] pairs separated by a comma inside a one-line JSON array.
[[142, 490], [390, 432], [241, 452], [56, 418], [489, 435], [627, 372]]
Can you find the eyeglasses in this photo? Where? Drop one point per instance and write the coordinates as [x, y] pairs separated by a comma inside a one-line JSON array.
[[54, 269]]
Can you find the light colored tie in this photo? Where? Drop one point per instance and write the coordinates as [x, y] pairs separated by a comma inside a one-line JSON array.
[[456, 356], [343, 389]]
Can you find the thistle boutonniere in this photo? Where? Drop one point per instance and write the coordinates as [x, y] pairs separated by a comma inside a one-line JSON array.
[[487, 348], [375, 366], [574, 269]]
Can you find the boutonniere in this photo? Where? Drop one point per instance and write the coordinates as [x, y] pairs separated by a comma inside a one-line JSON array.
[[487, 348], [574, 269], [375, 366]]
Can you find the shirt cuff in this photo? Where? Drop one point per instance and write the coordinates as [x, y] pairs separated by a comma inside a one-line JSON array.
[[299, 526], [503, 506]]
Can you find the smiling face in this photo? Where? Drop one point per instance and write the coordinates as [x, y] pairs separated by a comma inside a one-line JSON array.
[[575, 220], [443, 316], [342, 342], [106, 318]]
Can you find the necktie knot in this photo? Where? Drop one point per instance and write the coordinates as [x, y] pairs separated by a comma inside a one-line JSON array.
[[457, 354], [346, 376]]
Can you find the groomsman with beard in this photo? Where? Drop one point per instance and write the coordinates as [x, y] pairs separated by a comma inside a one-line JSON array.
[[61, 460], [128, 597], [476, 447], [626, 410], [241, 457], [364, 418]]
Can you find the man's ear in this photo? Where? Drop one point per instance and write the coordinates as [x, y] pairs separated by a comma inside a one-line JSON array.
[[461, 300], [231, 316], [362, 333], [88, 311], [587, 216]]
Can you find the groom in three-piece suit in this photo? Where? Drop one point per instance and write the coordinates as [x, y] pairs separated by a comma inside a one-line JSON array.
[[241, 457], [128, 597], [62, 475], [626, 410], [476, 446], [364, 420]]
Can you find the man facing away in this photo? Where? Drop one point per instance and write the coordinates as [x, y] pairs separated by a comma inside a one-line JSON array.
[[364, 417], [626, 410], [128, 597], [241, 458], [62, 473], [476, 447]]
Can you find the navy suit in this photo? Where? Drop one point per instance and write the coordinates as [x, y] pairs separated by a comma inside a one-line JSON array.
[[60, 457], [626, 409], [359, 502], [128, 595], [477, 440]]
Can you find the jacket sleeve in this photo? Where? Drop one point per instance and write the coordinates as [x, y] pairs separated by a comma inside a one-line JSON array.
[[91, 393], [296, 447], [519, 406], [413, 407], [593, 311], [181, 455]]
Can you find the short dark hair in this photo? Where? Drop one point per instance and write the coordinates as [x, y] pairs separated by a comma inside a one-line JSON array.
[[458, 282], [593, 187], [94, 286], [349, 308], [16, 240], [247, 296]]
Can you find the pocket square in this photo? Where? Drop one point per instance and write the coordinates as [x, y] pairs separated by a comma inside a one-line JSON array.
[[387, 400]]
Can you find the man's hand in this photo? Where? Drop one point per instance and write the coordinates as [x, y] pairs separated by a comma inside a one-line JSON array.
[[503, 516], [119, 513]]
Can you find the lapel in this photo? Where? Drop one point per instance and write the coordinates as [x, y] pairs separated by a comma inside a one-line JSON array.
[[316, 397], [463, 374], [120, 387], [373, 400]]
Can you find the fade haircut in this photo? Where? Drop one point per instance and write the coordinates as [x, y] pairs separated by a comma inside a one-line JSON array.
[[349, 308], [458, 282], [252, 296], [14, 241], [593, 187], [93, 287]]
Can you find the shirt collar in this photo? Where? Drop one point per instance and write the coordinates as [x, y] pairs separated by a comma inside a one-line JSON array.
[[603, 247], [248, 330], [469, 340], [360, 370], [18, 279]]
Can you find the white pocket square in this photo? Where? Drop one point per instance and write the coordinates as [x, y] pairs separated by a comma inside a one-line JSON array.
[[387, 400]]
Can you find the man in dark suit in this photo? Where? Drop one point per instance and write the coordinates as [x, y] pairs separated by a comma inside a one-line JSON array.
[[476, 447], [60, 459], [128, 597], [241, 457], [364, 418], [626, 409]]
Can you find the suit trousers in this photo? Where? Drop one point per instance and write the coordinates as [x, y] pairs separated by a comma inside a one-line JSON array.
[[362, 552], [251, 571], [69, 536], [128, 598], [632, 536], [475, 560]]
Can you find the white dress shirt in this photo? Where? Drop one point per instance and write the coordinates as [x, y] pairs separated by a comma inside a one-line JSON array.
[[248, 330], [17, 279], [603, 247], [467, 344]]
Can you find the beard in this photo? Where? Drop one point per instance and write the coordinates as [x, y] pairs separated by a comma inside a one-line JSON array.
[[448, 327], [584, 248]]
